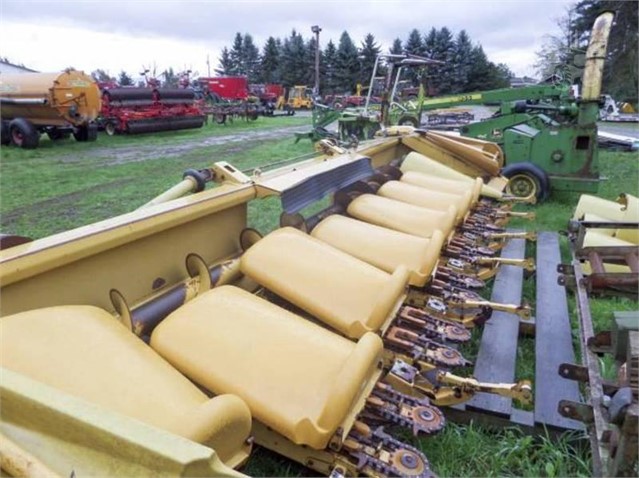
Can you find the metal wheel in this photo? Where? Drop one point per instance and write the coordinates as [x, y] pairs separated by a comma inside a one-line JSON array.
[[408, 121], [110, 128], [525, 179], [17, 137], [523, 185]]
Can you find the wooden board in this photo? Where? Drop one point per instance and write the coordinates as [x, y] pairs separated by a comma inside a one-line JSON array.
[[496, 360], [498, 350], [553, 338]]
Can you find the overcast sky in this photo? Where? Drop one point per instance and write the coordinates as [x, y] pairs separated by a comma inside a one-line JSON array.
[[115, 35]]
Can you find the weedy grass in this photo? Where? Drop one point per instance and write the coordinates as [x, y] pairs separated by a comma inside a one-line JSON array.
[[159, 138], [63, 185], [621, 170], [45, 191], [476, 451]]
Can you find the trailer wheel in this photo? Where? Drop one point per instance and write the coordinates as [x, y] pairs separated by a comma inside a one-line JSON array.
[[92, 132], [110, 128], [408, 121], [86, 133], [526, 179], [5, 136], [80, 134], [24, 134], [220, 118]]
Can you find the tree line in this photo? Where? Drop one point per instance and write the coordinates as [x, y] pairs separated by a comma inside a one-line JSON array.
[[170, 77], [291, 61], [621, 75]]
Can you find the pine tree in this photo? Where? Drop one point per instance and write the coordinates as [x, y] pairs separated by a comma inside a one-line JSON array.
[[236, 56], [461, 62], [269, 71], [225, 67], [293, 60], [368, 54], [329, 67], [397, 47], [250, 58], [430, 42], [432, 73], [124, 79], [347, 64], [478, 70], [505, 73], [414, 46], [310, 62], [444, 48]]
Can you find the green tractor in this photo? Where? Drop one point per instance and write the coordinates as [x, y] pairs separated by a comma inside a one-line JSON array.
[[364, 122], [549, 137]]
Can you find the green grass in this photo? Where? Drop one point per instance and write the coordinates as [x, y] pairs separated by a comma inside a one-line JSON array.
[[475, 451], [67, 184], [621, 173], [211, 129], [621, 170]]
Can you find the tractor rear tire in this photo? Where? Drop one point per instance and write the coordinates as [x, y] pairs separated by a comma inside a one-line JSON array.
[[526, 179], [24, 134], [5, 136]]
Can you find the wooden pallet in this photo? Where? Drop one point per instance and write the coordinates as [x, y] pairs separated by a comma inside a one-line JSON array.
[[497, 355]]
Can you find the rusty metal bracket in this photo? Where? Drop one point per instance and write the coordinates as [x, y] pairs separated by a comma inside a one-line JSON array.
[[600, 280], [600, 343], [566, 277], [567, 281], [571, 371], [566, 269], [576, 411]]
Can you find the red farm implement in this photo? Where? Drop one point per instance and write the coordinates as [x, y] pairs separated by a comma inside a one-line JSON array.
[[145, 110]]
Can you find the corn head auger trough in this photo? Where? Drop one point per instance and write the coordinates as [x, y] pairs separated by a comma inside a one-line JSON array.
[[98, 321]]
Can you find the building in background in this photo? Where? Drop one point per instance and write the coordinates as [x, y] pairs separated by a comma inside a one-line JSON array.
[[521, 82]]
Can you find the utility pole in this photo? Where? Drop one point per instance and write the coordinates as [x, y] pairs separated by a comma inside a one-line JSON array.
[[316, 29], [208, 65]]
